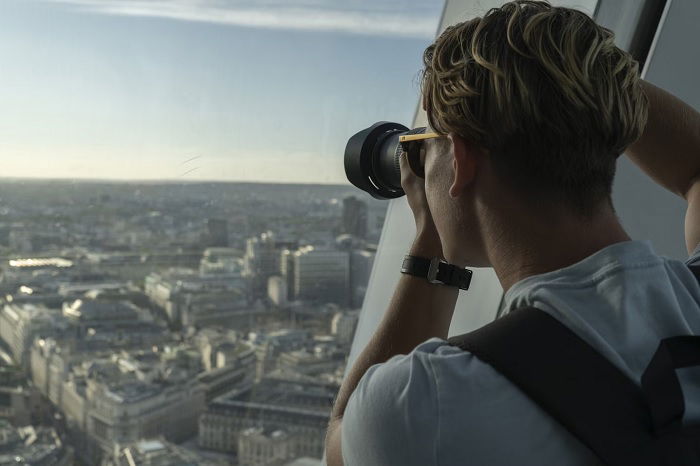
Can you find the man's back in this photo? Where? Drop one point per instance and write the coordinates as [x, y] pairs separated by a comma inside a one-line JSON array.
[[440, 405]]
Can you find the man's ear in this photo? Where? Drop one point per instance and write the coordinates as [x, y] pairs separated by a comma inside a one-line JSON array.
[[464, 164]]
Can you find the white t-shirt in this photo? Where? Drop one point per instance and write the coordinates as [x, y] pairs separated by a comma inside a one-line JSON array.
[[440, 405]]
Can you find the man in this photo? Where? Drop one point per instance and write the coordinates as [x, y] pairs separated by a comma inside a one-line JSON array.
[[535, 104]]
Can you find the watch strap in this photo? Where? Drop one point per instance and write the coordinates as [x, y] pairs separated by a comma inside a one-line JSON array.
[[437, 271]]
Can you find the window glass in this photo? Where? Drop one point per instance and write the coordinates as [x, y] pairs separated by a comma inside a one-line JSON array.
[[182, 257]]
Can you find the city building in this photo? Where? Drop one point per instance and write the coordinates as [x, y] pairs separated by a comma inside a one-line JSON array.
[[134, 264], [19, 401], [277, 290], [313, 316], [321, 275], [30, 270], [355, 217], [32, 446], [261, 260], [121, 388], [207, 339], [361, 262], [287, 271], [268, 346], [74, 401], [230, 309], [158, 452], [219, 381], [376, 215], [228, 362], [343, 326], [298, 405], [232, 354], [264, 447], [34, 295], [221, 261], [123, 410], [121, 289], [190, 298], [97, 315], [20, 324], [312, 362]]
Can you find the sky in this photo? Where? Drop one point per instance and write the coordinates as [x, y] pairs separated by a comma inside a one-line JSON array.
[[189, 90]]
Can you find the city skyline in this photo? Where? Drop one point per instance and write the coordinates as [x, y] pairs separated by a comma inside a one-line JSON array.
[[149, 91], [190, 321]]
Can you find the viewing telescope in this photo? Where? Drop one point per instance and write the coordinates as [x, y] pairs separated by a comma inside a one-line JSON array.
[[372, 160]]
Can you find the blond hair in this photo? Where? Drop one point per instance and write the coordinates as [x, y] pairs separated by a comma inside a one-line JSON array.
[[545, 91]]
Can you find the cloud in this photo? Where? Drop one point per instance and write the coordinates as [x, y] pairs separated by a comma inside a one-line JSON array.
[[409, 19]]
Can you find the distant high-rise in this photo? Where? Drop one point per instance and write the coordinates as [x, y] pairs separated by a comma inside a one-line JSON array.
[[277, 290], [217, 230], [361, 262], [287, 271], [262, 260], [321, 275], [355, 216]]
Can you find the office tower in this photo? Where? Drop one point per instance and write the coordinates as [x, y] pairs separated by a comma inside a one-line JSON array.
[[287, 271], [321, 275], [361, 262], [355, 217], [277, 290], [261, 261]]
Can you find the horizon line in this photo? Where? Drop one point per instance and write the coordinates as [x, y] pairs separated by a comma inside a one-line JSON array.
[[167, 181]]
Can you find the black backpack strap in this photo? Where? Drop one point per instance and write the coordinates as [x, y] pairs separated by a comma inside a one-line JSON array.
[[571, 381], [660, 384], [678, 444]]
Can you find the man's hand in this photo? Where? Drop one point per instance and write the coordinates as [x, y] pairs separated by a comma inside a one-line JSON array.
[[426, 232]]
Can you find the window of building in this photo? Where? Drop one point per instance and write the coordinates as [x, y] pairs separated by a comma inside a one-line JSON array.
[[183, 260]]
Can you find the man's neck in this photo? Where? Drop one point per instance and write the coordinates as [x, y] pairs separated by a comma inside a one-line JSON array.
[[538, 244]]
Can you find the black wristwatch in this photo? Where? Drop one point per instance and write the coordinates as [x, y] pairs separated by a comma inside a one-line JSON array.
[[437, 271]]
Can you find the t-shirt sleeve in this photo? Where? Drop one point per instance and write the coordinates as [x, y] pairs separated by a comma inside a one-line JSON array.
[[392, 416]]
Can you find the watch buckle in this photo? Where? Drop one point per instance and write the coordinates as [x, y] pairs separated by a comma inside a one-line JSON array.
[[433, 270]]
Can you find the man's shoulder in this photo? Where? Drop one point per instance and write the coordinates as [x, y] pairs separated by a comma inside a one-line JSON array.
[[411, 396]]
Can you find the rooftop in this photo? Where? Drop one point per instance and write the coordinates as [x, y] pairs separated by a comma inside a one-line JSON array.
[[88, 309], [304, 396], [131, 392]]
